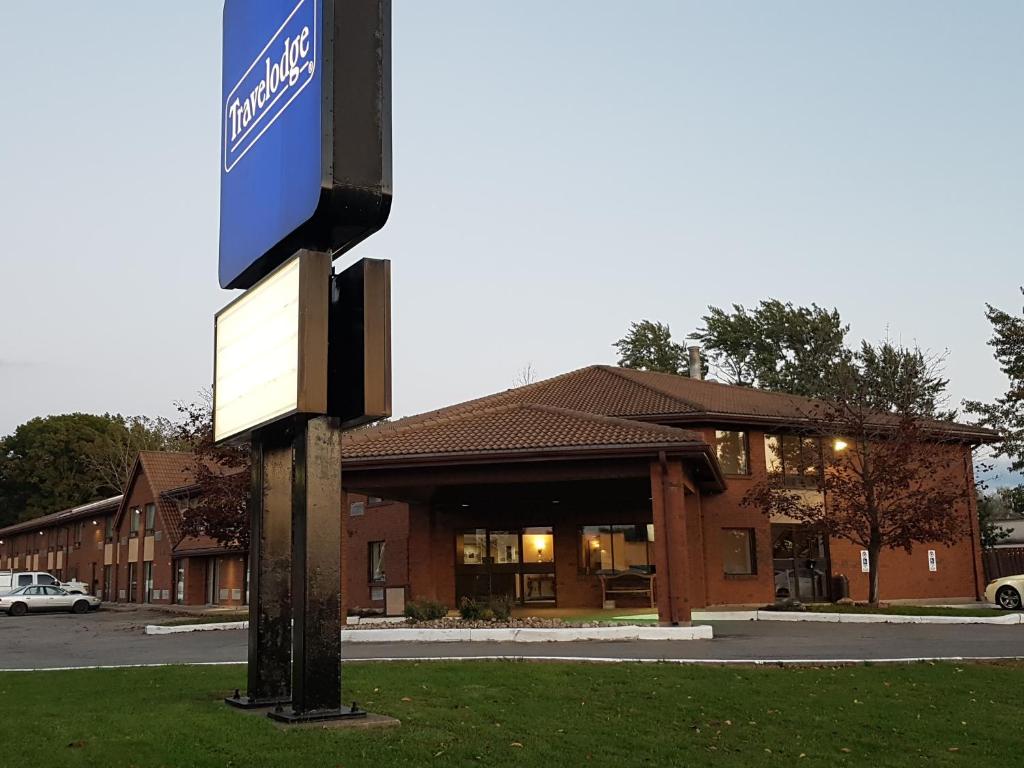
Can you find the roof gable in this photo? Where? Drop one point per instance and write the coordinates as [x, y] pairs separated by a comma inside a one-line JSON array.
[[164, 471]]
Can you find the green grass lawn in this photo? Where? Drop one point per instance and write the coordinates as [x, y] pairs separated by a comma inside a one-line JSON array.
[[532, 714]]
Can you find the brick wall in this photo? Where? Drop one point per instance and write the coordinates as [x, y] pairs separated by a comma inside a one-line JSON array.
[[388, 522]]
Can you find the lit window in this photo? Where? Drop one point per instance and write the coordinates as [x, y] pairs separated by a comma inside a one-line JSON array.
[[616, 548], [739, 553], [731, 449], [538, 545]]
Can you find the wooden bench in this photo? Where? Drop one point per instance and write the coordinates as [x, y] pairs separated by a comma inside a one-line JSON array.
[[627, 583]]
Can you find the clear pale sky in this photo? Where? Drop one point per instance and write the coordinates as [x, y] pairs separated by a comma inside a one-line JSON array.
[[561, 169]]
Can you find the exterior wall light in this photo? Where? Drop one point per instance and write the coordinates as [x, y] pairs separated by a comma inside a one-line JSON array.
[[840, 445]]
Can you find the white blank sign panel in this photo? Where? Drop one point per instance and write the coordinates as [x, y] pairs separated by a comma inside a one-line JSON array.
[[265, 352]]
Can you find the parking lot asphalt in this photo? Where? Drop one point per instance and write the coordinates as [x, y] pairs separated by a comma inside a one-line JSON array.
[[116, 638]]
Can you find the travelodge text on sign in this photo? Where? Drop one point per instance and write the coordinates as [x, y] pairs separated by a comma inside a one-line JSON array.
[[272, 83], [305, 130]]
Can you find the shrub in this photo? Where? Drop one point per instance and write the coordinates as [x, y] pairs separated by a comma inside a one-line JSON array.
[[501, 607], [425, 610], [469, 609], [498, 608]]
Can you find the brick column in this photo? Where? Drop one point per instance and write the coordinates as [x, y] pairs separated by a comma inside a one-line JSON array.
[[422, 581], [671, 561]]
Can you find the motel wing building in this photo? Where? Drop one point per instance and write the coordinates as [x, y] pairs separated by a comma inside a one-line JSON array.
[[601, 484]]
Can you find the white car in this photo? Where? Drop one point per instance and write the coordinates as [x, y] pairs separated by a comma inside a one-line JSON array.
[[1006, 592], [46, 598]]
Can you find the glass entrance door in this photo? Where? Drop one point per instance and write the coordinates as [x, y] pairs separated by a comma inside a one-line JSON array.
[[801, 564], [514, 564]]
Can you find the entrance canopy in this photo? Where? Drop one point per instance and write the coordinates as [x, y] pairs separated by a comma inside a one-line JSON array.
[[538, 503]]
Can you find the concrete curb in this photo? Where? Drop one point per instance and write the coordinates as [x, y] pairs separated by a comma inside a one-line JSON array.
[[159, 629], [568, 660], [498, 635], [879, 618]]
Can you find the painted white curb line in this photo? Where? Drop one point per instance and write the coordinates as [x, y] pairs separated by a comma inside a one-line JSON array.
[[499, 635]]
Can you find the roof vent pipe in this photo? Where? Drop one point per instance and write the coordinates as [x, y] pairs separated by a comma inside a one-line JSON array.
[[696, 368]]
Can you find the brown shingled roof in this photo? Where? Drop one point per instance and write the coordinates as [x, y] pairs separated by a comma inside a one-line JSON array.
[[596, 390], [64, 516], [509, 428], [195, 545]]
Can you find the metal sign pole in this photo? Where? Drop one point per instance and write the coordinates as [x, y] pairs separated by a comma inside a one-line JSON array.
[[270, 568], [316, 575]]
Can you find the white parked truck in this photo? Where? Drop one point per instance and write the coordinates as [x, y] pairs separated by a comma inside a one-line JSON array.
[[12, 580]]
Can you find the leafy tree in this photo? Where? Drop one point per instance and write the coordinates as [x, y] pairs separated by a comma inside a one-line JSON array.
[[884, 479], [113, 454], [775, 346], [51, 463], [44, 465], [904, 379], [222, 474], [648, 346], [1006, 413], [992, 508]]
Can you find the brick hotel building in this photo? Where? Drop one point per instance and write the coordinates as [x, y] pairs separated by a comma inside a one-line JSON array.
[[540, 493]]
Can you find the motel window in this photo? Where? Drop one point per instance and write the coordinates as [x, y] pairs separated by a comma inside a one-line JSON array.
[[150, 518], [376, 562], [739, 551], [357, 509], [108, 533], [504, 547], [373, 501], [134, 521], [534, 545], [795, 460], [731, 449], [148, 586], [538, 545], [471, 547], [617, 548]]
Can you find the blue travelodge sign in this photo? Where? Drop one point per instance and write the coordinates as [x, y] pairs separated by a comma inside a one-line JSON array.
[[305, 130]]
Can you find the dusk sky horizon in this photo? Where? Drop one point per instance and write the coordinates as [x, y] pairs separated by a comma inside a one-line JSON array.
[[561, 170]]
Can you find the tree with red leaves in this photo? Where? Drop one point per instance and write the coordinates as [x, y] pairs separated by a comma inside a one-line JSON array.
[[222, 474], [882, 478]]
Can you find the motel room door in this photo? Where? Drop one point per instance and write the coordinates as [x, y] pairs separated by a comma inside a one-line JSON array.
[[800, 557]]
